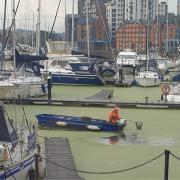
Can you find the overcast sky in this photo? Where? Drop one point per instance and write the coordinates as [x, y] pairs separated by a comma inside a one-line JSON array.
[[48, 10]]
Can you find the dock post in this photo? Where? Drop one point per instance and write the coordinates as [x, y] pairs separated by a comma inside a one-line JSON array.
[[36, 166], [49, 88], [166, 167], [146, 99]]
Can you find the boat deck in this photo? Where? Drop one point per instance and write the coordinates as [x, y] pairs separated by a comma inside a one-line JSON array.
[[59, 152], [102, 95]]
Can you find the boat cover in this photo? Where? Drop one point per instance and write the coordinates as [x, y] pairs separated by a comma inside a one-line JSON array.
[[7, 132]]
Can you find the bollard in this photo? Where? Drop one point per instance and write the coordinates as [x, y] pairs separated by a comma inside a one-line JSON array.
[[162, 97], [146, 99], [166, 167], [49, 89]]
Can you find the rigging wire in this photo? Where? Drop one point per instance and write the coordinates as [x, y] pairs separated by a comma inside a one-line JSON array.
[[11, 24], [107, 35], [54, 20]]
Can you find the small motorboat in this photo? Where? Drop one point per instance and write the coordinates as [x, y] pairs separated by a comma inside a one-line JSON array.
[[82, 123]]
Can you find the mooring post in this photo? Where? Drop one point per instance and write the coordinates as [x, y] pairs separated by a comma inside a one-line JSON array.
[[36, 166], [49, 88], [166, 167], [146, 99]]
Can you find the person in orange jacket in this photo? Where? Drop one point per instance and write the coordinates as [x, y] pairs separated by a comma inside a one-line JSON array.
[[114, 115]]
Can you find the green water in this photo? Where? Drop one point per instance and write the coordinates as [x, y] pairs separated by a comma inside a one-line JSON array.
[[92, 150]]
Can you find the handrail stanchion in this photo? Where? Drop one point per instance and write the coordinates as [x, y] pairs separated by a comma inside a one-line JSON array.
[[166, 167], [49, 88]]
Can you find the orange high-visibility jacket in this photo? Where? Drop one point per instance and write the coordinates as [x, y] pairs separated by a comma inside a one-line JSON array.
[[114, 116]]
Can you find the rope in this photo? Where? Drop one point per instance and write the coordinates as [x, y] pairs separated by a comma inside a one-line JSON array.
[[54, 19], [108, 172], [178, 158], [11, 25]]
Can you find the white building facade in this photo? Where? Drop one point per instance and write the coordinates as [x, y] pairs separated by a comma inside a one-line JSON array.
[[178, 7], [163, 8], [136, 9]]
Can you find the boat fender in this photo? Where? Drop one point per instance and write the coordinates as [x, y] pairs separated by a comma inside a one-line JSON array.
[[41, 166], [92, 127], [60, 123], [165, 88]]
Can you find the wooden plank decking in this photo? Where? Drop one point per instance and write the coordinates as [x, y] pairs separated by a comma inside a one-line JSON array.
[[102, 95], [58, 151]]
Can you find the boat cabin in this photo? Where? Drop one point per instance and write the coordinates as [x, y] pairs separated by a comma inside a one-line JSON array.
[[127, 57]]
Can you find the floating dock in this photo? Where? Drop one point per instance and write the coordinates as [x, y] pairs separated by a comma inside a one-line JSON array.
[[102, 95], [59, 155], [96, 103]]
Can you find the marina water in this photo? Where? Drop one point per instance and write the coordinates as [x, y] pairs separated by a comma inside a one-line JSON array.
[[107, 152]]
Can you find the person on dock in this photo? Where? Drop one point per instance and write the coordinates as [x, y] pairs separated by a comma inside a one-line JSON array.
[[114, 115]]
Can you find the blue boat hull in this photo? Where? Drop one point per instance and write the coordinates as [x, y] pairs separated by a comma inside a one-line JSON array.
[[77, 79], [82, 123]]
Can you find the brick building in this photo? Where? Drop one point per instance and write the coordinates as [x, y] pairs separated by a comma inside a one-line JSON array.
[[131, 35], [97, 27]]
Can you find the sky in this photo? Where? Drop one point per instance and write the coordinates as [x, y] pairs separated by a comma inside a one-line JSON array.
[[27, 13]]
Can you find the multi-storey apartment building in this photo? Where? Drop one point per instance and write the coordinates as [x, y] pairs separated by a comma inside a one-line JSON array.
[[137, 9], [178, 7], [131, 35], [114, 15], [118, 11], [68, 27], [97, 25], [162, 8]]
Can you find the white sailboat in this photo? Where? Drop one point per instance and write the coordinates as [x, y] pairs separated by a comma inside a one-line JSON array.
[[27, 83], [17, 147], [147, 78]]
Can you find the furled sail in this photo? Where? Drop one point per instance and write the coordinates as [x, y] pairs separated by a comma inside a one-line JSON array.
[[7, 132]]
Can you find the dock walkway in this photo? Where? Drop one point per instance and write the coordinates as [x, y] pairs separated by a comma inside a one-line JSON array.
[[102, 95], [59, 152]]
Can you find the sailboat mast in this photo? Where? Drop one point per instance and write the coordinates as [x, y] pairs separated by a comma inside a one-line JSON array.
[[157, 30], [4, 32], [38, 27], [147, 34], [167, 29], [14, 34], [72, 39], [87, 26]]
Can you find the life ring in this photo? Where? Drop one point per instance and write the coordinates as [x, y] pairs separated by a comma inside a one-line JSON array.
[[165, 89]]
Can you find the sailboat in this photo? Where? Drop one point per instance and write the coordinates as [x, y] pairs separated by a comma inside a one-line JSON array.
[[147, 78], [17, 147], [26, 81], [83, 77]]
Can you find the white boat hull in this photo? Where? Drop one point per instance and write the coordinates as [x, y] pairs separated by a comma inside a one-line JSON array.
[[27, 90], [147, 82], [19, 170], [147, 79], [5, 88], [173, 98]]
